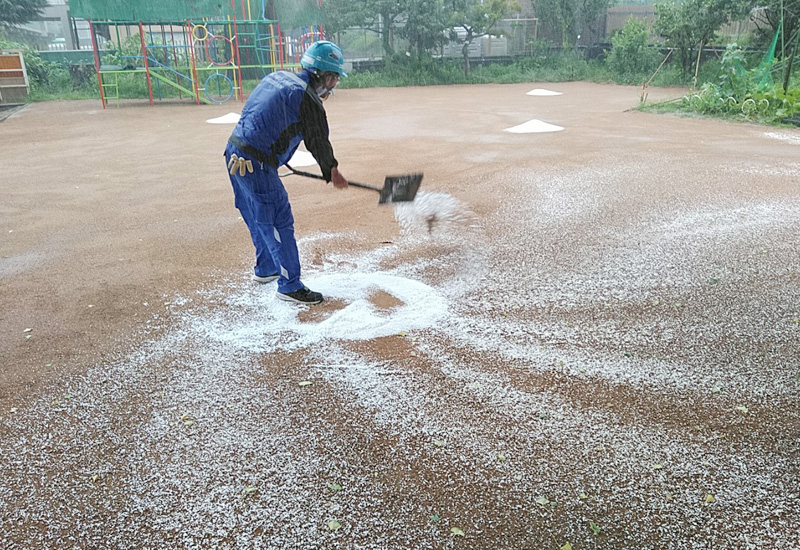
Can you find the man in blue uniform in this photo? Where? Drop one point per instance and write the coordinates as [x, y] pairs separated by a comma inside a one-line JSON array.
[[283, 110]]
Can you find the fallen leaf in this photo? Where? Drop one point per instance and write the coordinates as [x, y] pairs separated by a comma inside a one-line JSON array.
[[657, 466], [335, 487], [95, 477], [583, 496], [567, 546], [501, 457], [710, 498], [435, 518], [303, 383], [457, 531], [185, 416], [28, 330], [438, 442], [403, 333], [249, 490], [334, 525], [595, 528], [742, 409], [716, 389], [543, 501]]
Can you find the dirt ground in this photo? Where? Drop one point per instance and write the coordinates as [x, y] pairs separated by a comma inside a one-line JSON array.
[[601, 351]]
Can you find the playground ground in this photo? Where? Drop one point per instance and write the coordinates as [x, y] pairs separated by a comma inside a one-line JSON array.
[[603, 351]]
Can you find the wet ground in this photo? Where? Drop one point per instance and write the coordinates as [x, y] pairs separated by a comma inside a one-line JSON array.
[[597, 346]]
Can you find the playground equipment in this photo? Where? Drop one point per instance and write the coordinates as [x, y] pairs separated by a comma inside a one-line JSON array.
[[195, 49]]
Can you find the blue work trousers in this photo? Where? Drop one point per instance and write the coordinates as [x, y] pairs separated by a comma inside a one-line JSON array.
[[264, 205]]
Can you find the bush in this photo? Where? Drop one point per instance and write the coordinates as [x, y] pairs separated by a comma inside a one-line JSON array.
[[631, 60], [49, 79]]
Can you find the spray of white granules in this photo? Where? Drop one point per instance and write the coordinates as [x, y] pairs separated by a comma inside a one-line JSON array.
[[432, 212]]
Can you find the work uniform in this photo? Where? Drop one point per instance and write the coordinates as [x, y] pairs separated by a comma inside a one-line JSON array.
[[283, 110]]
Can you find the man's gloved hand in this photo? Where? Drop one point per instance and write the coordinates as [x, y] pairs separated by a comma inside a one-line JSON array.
[[240, 163]]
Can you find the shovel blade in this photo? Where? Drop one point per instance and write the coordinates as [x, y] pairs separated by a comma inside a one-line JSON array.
[[400, 188]]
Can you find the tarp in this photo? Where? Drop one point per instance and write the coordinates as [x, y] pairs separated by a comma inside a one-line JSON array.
[[292, 14]]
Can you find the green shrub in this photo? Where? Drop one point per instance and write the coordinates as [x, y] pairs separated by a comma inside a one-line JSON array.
[[631, 59]]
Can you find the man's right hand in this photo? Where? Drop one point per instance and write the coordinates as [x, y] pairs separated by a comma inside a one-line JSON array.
[[339, 181]]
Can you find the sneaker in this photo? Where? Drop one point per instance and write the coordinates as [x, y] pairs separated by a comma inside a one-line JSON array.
[[265, 280], [302, 296]]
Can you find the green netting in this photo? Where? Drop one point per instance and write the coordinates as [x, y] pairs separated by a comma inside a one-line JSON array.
[[766, 63], [292, 14]]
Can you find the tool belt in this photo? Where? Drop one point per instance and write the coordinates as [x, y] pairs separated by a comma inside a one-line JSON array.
[[249, 150]]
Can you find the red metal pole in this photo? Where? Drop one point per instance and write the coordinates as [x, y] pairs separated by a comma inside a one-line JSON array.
[[238, 60], [146, 64], [97, 64], [280, 44]]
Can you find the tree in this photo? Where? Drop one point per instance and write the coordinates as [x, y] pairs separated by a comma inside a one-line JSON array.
[[17, 12], [426, 22], [379, 16], [783, 16], [476, 19], [691, 25], [570, 16]]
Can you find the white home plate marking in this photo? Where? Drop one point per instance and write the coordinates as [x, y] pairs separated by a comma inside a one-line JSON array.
[[534, 126], [540, 91], [302, 158], [230, 118]]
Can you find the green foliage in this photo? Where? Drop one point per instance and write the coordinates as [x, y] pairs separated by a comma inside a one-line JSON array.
[[631, 60], [475, 18], [16, 12], [743, 94], [691, 24], [48, 79]]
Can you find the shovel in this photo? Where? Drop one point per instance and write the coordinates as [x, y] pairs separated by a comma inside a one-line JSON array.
[[395, 188]]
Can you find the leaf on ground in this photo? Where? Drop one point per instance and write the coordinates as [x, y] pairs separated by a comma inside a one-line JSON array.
[[95, 477], [567, 546], [249, 490], [657, 466], [435, 518], [501, 457], [457, 531], [742, 409], [595, 528], [716, 389], [438, 442], [335, 487], [185, 416], [542, 501], [334, 525], [710, 498], [403, 333], [28, 330], [583, 496], [304, 383]]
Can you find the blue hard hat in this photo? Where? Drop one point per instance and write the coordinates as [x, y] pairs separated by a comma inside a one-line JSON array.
[[324, 56]]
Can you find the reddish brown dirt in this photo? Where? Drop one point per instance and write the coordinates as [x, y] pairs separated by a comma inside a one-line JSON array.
[[621, 370]]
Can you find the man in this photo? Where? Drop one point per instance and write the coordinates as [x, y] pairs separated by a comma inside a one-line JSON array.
[[283, 110]]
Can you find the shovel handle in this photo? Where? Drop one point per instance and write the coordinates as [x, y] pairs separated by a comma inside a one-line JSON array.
[[318, 177]]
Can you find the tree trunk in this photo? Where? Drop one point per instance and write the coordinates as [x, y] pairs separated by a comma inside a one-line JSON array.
[[788, 72], [697, 64], [465, 55], [386, 30]]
